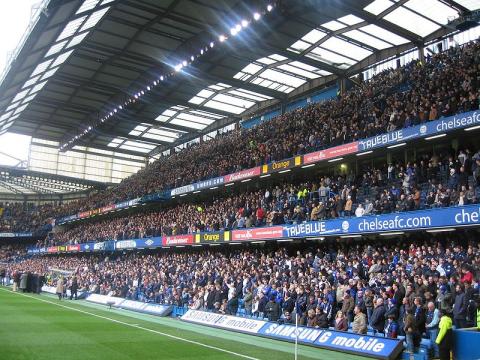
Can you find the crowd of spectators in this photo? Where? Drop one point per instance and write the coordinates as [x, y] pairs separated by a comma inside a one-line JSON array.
[[395, 287], [432, 181], [24, 217], [12, 252], [444, 85]]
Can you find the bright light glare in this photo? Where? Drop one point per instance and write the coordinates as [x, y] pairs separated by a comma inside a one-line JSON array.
[[256, 16], [269, 8], [233, 31], [244, 23], [238, 27], [222, 38]]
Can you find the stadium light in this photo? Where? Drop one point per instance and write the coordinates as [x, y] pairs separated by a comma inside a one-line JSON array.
[[284, 171], [336, 159], [222, 38], [246, 180], [365, 153], [392, 233], [229, 184], [264, 176], [435, 136], [308, 166], [473, 128], [396, 145], [440, 230]]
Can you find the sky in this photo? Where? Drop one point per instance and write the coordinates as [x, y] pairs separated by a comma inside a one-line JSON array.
[[14, 19]]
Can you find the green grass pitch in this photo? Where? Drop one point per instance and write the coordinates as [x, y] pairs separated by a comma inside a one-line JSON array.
[[42, 327]]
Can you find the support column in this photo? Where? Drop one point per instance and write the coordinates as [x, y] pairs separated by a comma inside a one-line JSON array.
[[421, 54]]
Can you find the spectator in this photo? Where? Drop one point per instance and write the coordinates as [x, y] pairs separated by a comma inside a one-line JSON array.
[[359, 325], [341, 323], [378, 316], [391, 327], [444, 339], [432, 322], [460, 307]]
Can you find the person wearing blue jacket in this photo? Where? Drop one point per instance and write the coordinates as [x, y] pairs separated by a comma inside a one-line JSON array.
[[431, 325], [391, 326]]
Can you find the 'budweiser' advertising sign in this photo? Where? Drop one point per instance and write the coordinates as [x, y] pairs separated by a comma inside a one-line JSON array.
[[244, 174]]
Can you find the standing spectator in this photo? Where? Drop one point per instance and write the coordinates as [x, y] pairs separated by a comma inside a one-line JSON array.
[[444, 339], [391, 327], [419, 314], [460, 307], [432, 321], [368, 299], [359, 325], [74, 288], [378, 316], [412, 335], [59, 289], [248, 301], [347, 306]]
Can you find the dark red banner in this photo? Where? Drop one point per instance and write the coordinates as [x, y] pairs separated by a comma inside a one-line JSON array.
[[244, 174], [107, 208], [84, 214], [274, 232], [178, 240], [330, 153], [73, 248]]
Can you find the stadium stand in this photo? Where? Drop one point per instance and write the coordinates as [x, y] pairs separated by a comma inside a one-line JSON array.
[[392, 100], [410, 285], [437, 181], [384, 280]]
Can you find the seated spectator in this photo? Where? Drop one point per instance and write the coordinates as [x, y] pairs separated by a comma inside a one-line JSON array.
[[341, 323]]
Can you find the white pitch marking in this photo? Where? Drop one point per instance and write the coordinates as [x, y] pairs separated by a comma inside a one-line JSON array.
[[140, 327]]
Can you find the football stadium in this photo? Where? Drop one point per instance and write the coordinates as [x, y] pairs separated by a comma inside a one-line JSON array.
[[240, 179]]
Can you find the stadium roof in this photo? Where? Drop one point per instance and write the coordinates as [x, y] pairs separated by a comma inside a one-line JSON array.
[[25, 182], [83, 57]]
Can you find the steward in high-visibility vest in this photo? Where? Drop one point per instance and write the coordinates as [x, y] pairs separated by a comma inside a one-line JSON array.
[[445, 337], [478, 315]]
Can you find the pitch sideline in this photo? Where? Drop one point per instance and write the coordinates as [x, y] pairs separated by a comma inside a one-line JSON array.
[[136, 326]]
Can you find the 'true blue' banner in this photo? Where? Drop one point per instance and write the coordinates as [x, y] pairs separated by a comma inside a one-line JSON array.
[[412, 220], [428, 129]]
